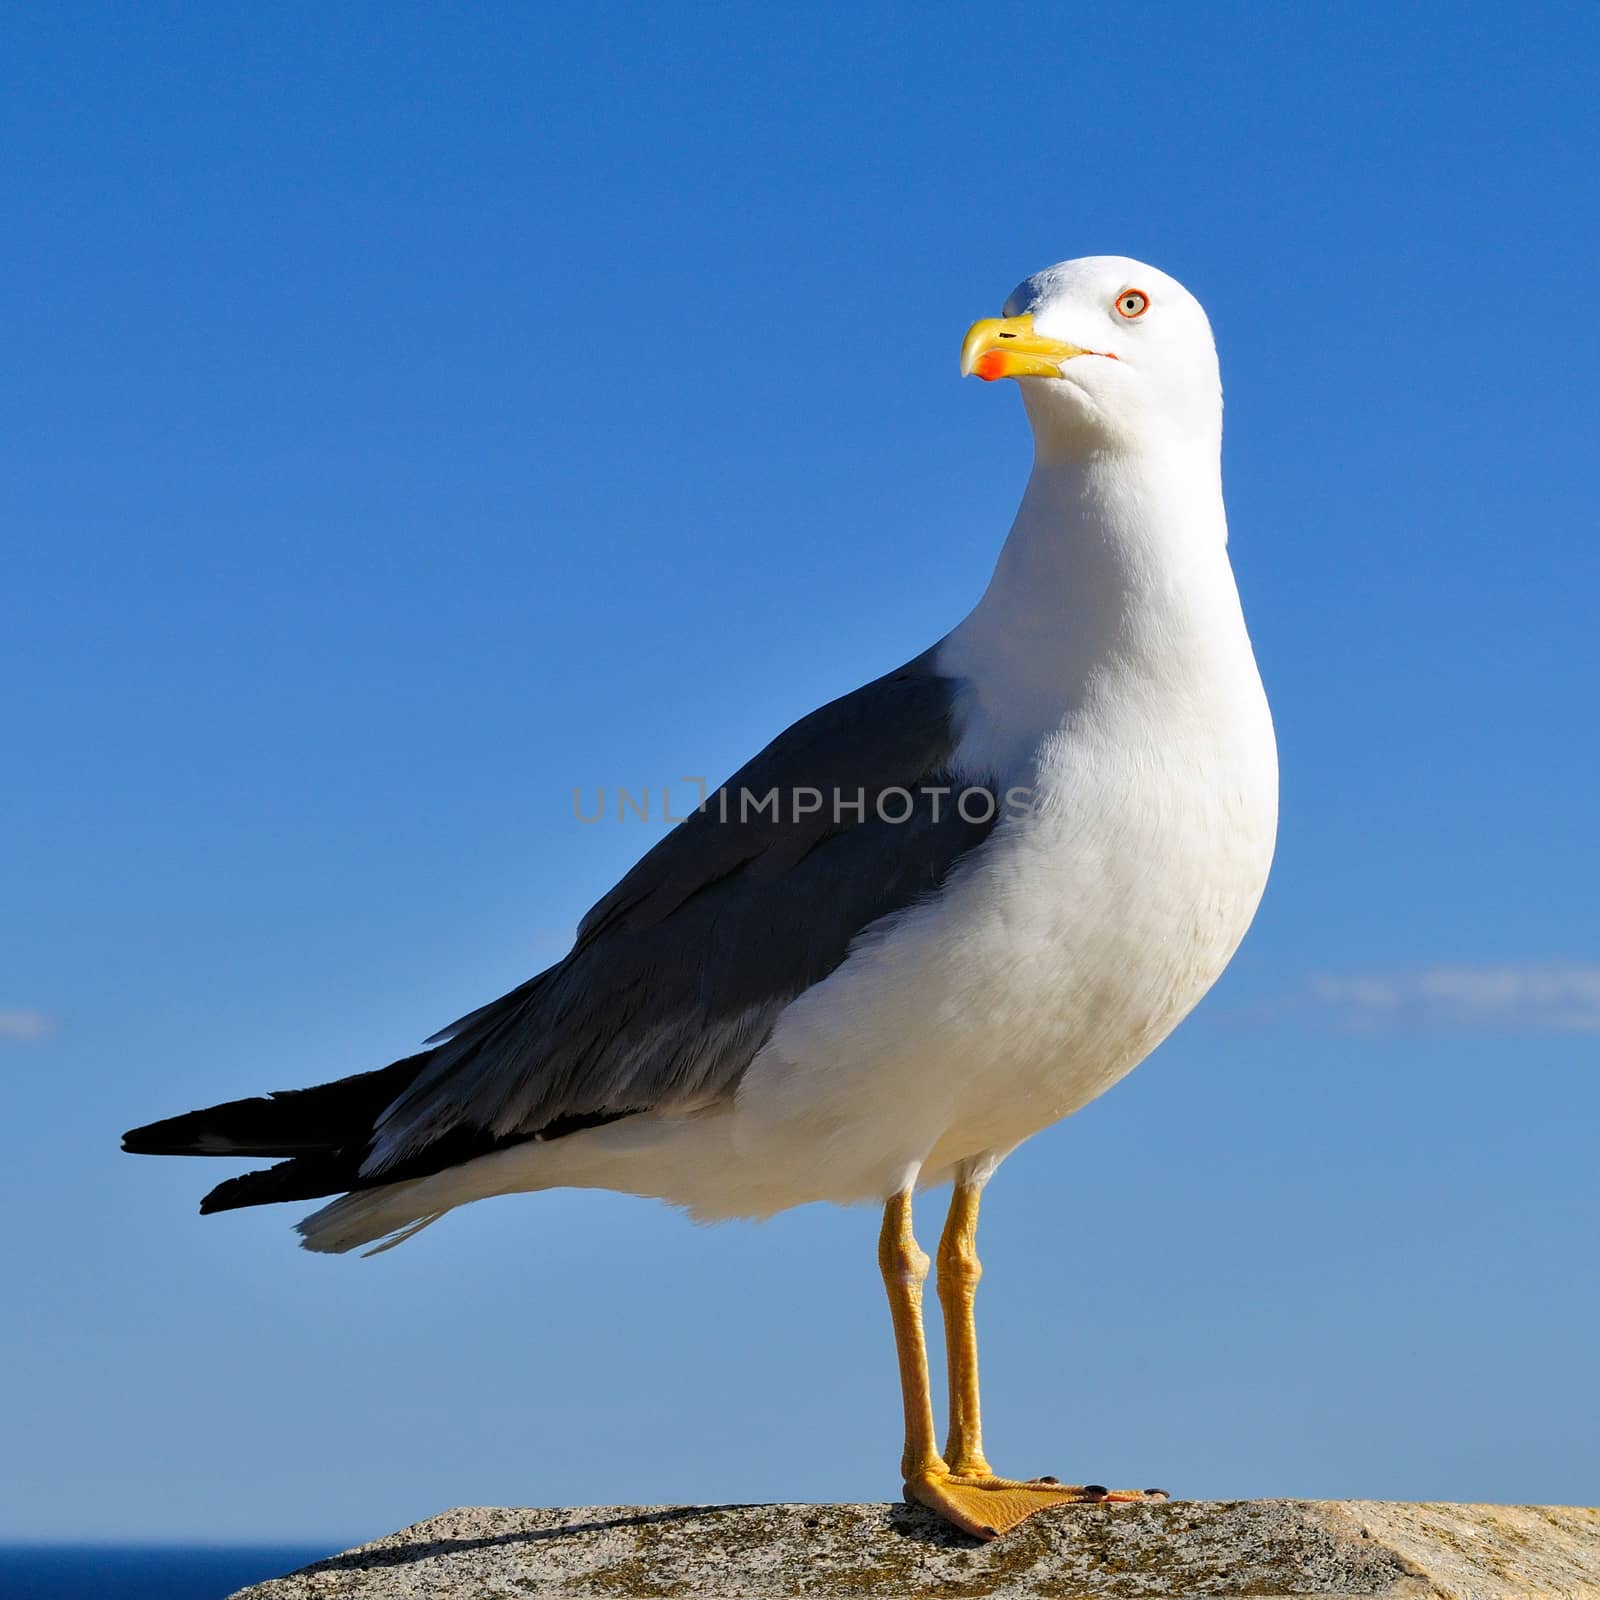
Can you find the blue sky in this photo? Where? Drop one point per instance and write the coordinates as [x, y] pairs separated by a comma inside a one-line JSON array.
[[415, 413]]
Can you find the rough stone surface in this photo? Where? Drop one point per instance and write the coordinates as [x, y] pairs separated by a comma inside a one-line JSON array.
[[1259, 1548]]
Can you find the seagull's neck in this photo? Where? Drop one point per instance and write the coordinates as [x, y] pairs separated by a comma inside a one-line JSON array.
[[1115, 576]]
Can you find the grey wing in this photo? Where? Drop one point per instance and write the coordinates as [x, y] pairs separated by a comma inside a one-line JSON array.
[[678, 974]]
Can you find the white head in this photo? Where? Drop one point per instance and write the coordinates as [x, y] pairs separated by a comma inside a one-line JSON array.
[[1112, 355]]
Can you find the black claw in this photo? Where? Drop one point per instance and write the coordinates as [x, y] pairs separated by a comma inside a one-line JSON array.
[[1049, 1477], [1158, 1494], [987, 1532], [1095, 1491]]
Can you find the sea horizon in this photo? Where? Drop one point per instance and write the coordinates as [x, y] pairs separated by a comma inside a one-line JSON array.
[[109, 1569]]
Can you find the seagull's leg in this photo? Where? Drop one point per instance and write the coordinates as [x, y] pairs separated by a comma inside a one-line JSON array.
[[905, 1268], [961, 1486], [959, 1272]]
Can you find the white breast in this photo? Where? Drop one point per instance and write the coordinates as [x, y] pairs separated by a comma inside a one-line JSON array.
[[1059, 956]]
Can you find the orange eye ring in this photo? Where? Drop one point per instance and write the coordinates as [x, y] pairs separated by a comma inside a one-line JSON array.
[[1132, 303]]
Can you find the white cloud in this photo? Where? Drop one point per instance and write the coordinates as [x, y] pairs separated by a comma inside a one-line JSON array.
[[1532, 997], [24, 1025]]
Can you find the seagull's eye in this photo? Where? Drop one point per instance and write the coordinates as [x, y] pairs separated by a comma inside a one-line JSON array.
[[1132, 303]]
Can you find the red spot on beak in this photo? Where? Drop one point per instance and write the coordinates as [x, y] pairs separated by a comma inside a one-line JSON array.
[[991, 365]]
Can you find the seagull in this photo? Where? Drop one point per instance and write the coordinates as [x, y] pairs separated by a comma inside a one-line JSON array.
[[930, 919]]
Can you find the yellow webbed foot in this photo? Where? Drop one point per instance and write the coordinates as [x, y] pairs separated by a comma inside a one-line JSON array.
[[986, 1506]]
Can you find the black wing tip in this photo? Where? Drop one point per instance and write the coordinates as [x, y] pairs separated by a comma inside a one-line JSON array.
[[307, 1177], [165, 1138], [288, 1122], [200, 1133], [225, 1197]]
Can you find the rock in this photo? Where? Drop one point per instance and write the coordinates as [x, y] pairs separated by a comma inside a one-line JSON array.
[[1184, 1549]]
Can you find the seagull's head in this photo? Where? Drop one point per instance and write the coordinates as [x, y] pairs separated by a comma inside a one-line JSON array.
[[1111, 354]]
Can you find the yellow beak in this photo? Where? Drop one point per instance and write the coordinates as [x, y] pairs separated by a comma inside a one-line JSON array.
[[1007, 347]]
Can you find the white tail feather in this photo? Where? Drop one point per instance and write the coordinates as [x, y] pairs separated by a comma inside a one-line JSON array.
[[391, 1214]]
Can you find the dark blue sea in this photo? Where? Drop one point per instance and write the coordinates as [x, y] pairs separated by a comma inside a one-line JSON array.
[[143, 1572]]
